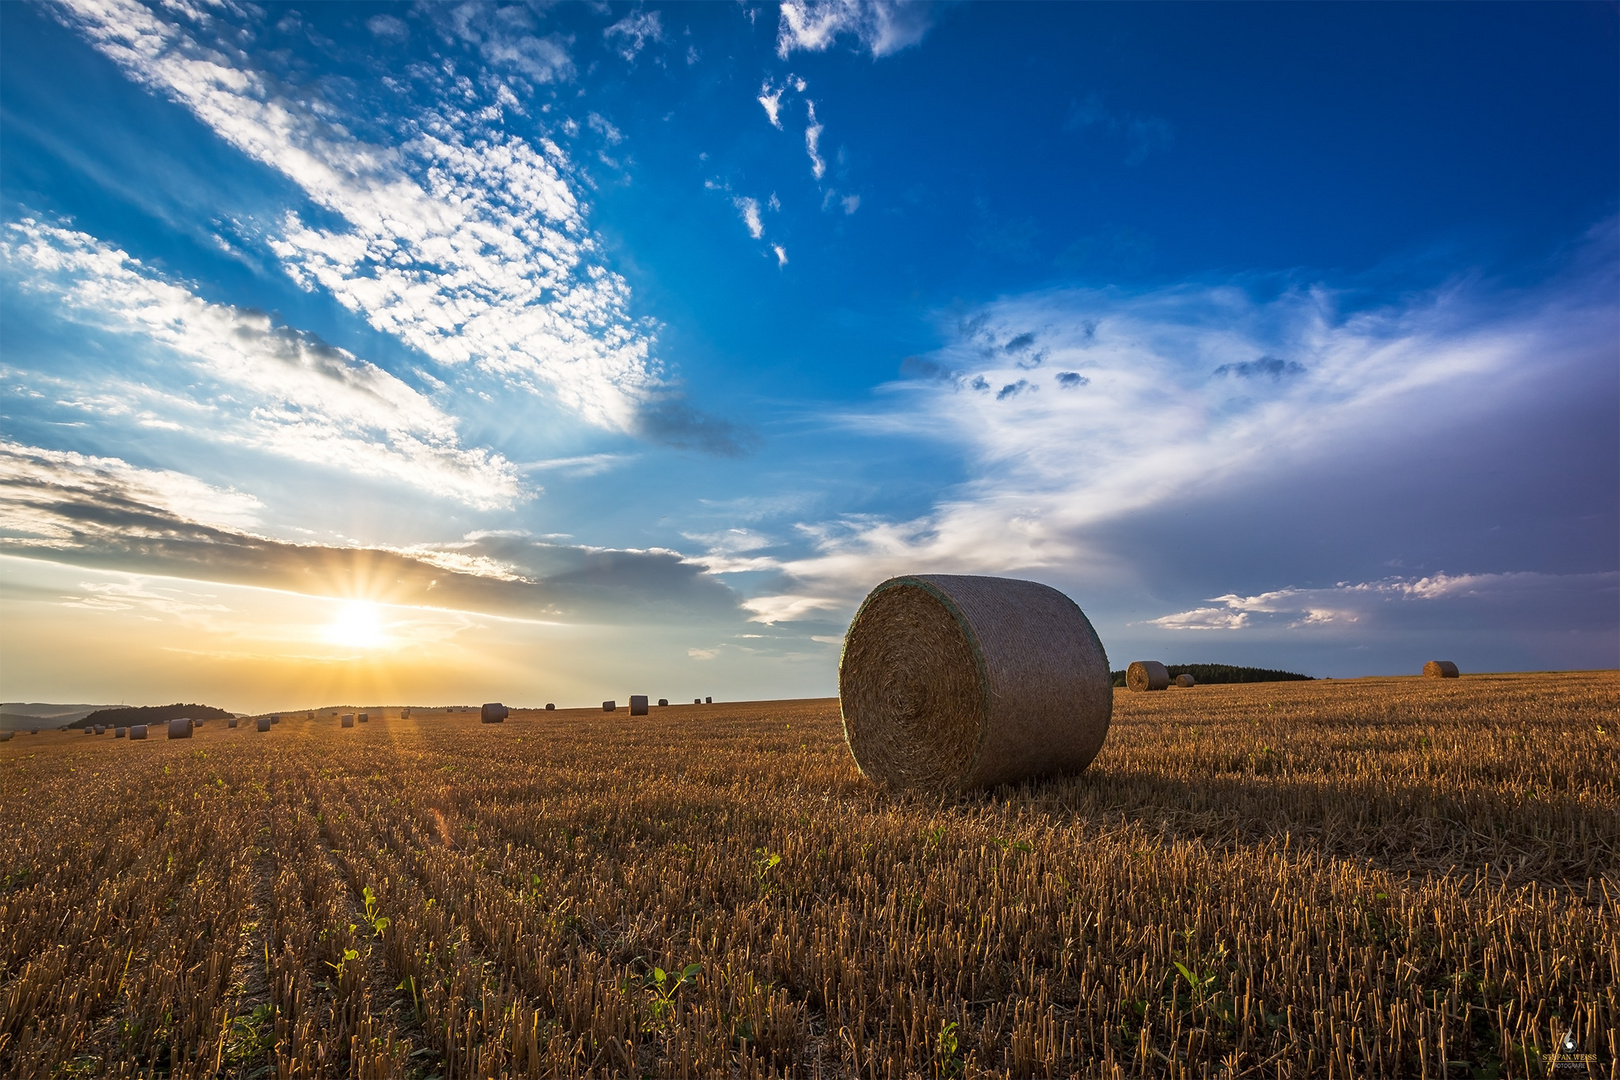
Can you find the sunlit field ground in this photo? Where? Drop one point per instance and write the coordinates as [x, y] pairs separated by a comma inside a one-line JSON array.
[[1394, 877]]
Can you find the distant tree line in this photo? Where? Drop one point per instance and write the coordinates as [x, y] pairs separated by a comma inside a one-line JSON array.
[[1207, 674], [150, 714]]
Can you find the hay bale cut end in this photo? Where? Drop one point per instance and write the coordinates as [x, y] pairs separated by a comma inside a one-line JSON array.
[[638, 704], [1186, 681], [663, 701], [347, 720], [609, 706], [551, 706], [1146, 675], [180, 729], [137, 731], [263, 723], [1440, 669], [953, 682], [493, 713]]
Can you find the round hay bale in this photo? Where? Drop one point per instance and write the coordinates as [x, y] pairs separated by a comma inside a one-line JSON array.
[[708, 701], [609, 706], [5, 736], [263, 723], [663, 701], [1440, 669], [638, 704], [551, 706], [404, 714], [100, 730], [951, 682], [89, 731], [697, 701], [347, 719], [137, 731], [1186, 681], [493, 713], [1146, 675], [231, 722], [180, 729], [365, 718], [33, 731], [119, 733]]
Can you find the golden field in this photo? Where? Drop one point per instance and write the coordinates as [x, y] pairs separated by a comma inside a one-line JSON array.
[[1374, 877]]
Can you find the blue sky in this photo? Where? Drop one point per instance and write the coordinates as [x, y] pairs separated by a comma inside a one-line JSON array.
[[558, 352]]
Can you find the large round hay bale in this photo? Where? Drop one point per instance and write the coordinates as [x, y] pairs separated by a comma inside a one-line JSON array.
[[231, 722], [638, 704], [180, 729], [118, 733], [493, 713], [609, 706], [663, 701], [551, 706], [90, 730], [263, 723], [950, 682], [347, 719], [137, 731], [1186, 681], [365, 718], [1146, 675], [1440, 669], [100, 730], [5, 736]]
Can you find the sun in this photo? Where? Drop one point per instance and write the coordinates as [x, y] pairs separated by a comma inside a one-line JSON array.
[[359, 624]]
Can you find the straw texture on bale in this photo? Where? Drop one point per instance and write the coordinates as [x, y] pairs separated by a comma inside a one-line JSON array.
[[137, 731], [1185, 681], [953, 682], [493, 713], [1440, 669], [180, 729], [609, 706], [638, 704], [348, 720], [1146, 675], [663, 701], [263, 724]]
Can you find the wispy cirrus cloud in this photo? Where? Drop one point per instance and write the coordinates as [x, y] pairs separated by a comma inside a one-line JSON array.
[[632, 33], [882, 27], [464, 241], [290, 394]]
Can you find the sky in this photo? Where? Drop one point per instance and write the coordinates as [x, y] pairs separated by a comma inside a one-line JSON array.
[[444, 353]]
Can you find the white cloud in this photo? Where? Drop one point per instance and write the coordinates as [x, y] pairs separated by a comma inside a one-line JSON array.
[[882, 27], [503, 37], [771, 99], [851, 203], [788, 607], [749, 209], [1146, 421], [781, 254], [464, 241], [1367, 605], [812, 142], [603, 127], [292, 395], [634, 31]]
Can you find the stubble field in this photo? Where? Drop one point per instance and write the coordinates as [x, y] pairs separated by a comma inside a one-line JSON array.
[[1385, 877]]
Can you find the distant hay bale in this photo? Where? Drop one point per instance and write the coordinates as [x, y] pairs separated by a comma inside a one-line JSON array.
[[5, 736], [263, 723], [119, 733], [493, 713], [609, 706], [180, 729], [89, 731], [231, 722], [1440, 669], [1186, 681], [952, 682], [100, 730], [638, 704], [365, 718], [137, 731], [1146, 675], [708, 701], [347, 720], [697, 701], [551, 706], [663, 701], [276, 718], [404, 714]]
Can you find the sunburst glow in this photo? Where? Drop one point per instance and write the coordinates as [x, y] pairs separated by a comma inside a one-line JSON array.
[[359, 624]]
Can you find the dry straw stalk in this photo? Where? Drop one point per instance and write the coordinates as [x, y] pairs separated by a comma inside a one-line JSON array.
[[952, 682]]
